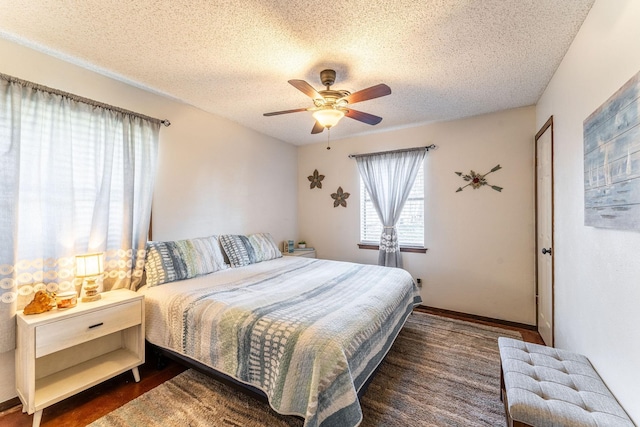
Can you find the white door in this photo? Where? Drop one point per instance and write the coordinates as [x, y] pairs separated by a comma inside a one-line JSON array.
[[544, 231]]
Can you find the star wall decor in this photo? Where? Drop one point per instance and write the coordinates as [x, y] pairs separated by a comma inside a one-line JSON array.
[[477, 180], [340, 198], [315, 179]]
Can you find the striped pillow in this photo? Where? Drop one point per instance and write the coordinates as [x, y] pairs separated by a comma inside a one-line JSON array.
[[264, 246], [183, 259], [164, 263], [202, 255], [238, 249]]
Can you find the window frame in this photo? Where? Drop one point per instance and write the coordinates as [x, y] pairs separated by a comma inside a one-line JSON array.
[[365, 244]]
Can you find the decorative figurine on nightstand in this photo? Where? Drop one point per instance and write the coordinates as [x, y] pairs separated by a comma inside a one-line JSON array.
[[89, 267], [41, 303]]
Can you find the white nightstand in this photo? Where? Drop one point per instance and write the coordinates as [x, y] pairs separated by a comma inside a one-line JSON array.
[[305, 253], [63, 352]]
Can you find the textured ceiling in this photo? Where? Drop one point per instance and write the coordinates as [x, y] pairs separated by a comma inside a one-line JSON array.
[[443, 59]]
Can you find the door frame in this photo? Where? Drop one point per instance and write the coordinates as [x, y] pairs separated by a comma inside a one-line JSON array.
[[548, 125]]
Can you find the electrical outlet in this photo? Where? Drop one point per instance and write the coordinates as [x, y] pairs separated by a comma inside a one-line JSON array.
[[419, 281]]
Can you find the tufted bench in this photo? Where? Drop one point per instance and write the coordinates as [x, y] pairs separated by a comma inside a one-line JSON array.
[[547, 387]]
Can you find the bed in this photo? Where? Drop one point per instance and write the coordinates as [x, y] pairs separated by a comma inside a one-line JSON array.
[[308, 333]]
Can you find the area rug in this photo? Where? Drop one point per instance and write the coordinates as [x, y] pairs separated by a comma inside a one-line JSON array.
[[439, 372]]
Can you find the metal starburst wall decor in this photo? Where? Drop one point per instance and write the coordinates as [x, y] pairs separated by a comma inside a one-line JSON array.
[[476, 180]]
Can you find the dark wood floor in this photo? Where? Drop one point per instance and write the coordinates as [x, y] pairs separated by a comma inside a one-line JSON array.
[[529, 333], [88, 406]]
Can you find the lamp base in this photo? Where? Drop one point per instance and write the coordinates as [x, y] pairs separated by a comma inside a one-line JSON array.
[[91, 298], [91, 292]]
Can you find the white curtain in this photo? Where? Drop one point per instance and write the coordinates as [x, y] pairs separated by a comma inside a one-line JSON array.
[[75, 177], [388, 178]]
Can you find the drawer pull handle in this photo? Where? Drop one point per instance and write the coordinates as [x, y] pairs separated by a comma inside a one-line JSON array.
[[96, 325]]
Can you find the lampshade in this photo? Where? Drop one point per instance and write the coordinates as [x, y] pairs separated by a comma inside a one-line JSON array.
[[88, 265], [328, 117]]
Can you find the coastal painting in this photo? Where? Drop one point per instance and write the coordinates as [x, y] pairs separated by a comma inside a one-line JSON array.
[[612, 161]]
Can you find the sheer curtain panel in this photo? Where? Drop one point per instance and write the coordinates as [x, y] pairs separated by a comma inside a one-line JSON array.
[[388, 178], [75, 177]]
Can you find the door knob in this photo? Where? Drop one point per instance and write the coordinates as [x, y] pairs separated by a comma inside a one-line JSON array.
[[546, 251]]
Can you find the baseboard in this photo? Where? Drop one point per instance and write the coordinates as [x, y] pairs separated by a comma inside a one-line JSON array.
[[9, 404], [472, 317]]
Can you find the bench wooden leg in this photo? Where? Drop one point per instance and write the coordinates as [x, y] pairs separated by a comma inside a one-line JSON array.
[[502, 388]]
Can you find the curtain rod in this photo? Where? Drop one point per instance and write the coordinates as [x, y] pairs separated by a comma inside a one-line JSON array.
[[402, 150], [84, 100]]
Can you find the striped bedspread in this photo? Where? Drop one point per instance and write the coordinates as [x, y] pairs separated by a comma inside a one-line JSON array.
[[307, 332]]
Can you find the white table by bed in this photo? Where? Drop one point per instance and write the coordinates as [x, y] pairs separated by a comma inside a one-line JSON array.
[[62, 352]]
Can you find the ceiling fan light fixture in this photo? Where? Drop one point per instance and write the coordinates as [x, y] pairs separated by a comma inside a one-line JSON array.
[[332, 105], [328, 117]]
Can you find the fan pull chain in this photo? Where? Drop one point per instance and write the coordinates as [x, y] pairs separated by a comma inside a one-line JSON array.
[[328, 138]]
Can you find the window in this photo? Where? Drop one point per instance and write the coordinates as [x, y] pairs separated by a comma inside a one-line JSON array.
[[410, 227], [77, 177]]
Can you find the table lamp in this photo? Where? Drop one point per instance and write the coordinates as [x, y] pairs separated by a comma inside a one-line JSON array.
[[89, 267]]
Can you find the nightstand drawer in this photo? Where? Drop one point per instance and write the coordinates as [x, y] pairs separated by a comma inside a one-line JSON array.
[[72, 330]]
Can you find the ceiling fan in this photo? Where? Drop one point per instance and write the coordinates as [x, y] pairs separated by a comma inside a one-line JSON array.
[[331, 105]]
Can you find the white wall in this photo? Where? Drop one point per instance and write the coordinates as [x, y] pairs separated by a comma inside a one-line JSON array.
[[597, 291], [480, 257], [214, 175], [217, 177]]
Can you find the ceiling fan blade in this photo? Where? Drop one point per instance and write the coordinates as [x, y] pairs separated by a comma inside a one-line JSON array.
[[305, 88], [367, 118], [275, 113], [317, 128], [369, 93]]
